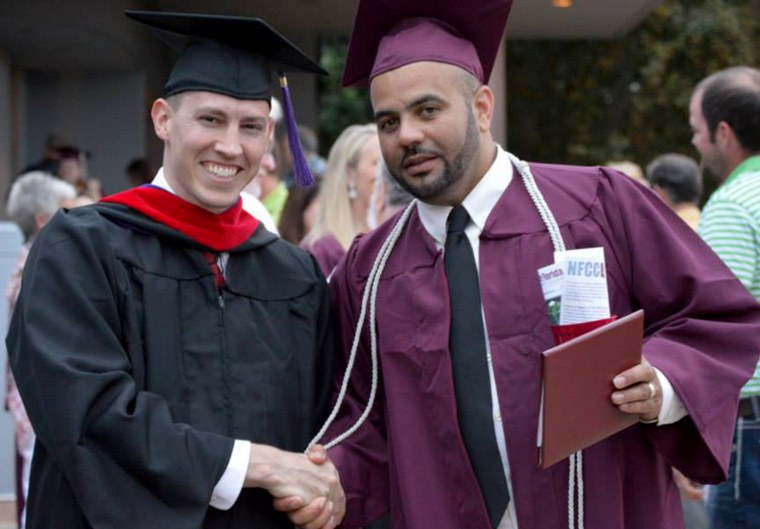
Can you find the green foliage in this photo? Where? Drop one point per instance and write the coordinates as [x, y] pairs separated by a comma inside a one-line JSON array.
[[590, 102], [338, 107]]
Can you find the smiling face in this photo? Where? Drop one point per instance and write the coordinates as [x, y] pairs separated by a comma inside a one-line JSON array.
[[213, 145], [433, 128]]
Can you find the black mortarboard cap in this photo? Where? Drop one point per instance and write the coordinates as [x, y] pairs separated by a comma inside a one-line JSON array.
[[233, 56]]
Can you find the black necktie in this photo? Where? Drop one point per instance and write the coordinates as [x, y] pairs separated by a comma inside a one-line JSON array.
[[472, 387]]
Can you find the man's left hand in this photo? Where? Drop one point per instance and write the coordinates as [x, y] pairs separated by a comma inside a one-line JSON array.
[[320, 513], [638, 391]]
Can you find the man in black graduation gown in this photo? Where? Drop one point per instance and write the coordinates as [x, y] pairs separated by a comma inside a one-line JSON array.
[[173, 355]]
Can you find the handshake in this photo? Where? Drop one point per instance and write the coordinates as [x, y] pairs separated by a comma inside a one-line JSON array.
[[305, 487]]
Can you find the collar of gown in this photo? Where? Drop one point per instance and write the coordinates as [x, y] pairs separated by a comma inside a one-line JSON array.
[[219, 232], [479, 202]]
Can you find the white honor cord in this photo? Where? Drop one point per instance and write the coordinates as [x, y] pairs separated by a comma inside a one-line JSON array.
[[538, 200], [370, 295], [575, 480]]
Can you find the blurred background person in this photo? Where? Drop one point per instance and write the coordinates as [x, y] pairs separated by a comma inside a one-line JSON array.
[[300, 212], [258, 210], [376, 213], [82, 200], [310, 145], [724, 115], [631, 169], [344, 196], [275, 184], [72, 165], [387, 198], [677, 180], [50, 157], [72, 168], [33, 199], [272, 190], [252, 194], [139, 172]]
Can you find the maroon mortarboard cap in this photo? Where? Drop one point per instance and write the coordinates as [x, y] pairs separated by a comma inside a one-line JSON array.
[[389, 34]]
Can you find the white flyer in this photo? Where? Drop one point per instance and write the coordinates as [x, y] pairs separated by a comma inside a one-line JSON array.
[[575, 286]]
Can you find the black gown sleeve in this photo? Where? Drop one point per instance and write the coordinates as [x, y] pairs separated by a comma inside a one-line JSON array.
[[326, 351], [113, 446]]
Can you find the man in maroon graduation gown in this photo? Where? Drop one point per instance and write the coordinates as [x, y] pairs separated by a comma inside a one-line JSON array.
[[175, 356], [426, 64]]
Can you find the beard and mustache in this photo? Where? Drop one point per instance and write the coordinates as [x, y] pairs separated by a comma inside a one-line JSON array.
[[453, 169]]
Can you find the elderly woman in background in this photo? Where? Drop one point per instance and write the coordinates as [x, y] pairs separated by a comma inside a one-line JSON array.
[[344, 197], [33, 199]]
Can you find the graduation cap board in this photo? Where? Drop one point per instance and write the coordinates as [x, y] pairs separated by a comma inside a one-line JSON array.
[[232, 56], [389, 34]]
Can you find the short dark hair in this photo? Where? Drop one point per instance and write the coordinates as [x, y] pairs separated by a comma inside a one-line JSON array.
[[678, 176], [175, 100], [469, 84], [733, 95]]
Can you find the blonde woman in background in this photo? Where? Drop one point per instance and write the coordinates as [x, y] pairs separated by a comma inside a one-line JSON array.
[[344, 197]]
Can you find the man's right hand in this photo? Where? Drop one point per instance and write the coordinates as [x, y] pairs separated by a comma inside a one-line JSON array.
[[312, 491]]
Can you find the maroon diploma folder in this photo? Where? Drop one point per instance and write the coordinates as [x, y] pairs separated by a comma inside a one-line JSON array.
[[576, 410]]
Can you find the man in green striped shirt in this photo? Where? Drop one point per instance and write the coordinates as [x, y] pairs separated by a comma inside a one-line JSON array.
[[724, 115]]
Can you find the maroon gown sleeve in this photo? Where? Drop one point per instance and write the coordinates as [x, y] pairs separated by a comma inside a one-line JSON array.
[[362, 459], [328, 252], [702, 327]]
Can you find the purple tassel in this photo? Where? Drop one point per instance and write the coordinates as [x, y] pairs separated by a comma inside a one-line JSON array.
[[301, 170]]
